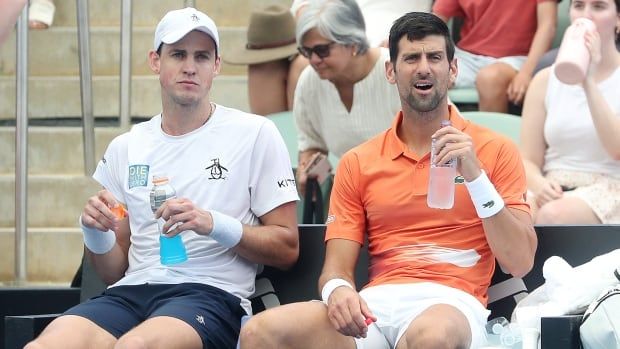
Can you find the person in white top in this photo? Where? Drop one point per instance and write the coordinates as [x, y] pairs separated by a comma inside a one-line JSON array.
[[569, 133], [344, 99], [234, 209]]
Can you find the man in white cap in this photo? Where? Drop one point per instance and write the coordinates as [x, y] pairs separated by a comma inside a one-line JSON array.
[[234, 208]]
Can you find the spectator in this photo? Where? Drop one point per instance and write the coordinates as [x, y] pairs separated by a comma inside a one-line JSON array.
[[548, 58], [229, 221], [271, 56], [344, 99], [379, 15], [429, 271], [569, 134], [501, 42], [272, 77], [41, 14]]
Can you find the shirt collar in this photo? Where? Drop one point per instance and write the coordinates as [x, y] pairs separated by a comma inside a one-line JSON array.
[[395, 147]]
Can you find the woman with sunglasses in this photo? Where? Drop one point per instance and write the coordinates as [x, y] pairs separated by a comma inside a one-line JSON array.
[[344, 98], [569, 133]]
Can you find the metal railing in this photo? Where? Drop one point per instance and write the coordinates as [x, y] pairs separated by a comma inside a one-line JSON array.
[[86, 87], [21, 148], [125, 78], [88, 124]]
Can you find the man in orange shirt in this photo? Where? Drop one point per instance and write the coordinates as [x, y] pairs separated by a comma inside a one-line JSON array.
[[429, 269]]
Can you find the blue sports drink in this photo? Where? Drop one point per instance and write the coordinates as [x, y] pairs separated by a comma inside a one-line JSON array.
[[171, 249]]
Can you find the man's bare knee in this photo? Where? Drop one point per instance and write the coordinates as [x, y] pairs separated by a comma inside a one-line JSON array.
[[259, 332], [130, 342], [250, 334], [430, 338]]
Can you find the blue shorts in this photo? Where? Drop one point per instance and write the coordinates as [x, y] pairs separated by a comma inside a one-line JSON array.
[[215, 314]]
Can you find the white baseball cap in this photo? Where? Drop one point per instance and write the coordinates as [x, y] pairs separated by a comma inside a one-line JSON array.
[[178, 23]]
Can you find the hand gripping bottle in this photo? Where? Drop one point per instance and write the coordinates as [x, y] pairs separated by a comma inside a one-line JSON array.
[[441, 179], [171, 249], [571, 65]]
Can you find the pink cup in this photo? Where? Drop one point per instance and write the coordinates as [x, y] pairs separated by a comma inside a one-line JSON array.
[[571, 65]]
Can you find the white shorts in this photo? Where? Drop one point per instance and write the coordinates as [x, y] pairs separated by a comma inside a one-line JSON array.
[[469, 64], [397, 305]]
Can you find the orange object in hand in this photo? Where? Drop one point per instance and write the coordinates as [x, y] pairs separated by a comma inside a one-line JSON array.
[[119, 211]]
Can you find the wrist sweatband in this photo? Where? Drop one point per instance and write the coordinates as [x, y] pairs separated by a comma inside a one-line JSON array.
[[487, 200], [330, 286], [227, 231], [97, 241]]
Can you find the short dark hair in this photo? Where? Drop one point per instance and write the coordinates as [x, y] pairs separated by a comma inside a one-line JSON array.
[[417, 26]]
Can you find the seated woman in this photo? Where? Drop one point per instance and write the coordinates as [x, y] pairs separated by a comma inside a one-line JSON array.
[[569, 134], [345, 98]]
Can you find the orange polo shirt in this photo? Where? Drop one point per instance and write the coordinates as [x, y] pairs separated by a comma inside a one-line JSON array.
[[380, 189]]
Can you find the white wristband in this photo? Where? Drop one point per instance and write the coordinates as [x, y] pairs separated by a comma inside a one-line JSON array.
[[487, 200], [227, 231], [330, 286], [97, 241]]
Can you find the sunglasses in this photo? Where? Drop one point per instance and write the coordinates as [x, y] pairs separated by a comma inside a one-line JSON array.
[[321, 51]]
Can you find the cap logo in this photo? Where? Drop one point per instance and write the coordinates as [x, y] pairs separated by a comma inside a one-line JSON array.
[[195, 18]]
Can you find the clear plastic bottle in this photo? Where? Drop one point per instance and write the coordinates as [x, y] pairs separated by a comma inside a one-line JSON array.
[[441, 179], [497, 325], [171, 249], [511, 337]]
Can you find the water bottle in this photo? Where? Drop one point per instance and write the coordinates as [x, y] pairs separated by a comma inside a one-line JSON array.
[[571, 65], [494, 328], [511, 337], [497, 325], [171, 249], [500, 332], [441, 179]]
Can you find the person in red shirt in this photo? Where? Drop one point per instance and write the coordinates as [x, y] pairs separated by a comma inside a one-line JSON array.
[[429, 269], [500, 44]]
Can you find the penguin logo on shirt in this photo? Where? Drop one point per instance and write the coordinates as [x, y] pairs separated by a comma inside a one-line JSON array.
[[216, 170]]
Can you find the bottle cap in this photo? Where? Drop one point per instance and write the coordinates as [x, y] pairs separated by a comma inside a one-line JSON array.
[[119, 211], [159, 180]]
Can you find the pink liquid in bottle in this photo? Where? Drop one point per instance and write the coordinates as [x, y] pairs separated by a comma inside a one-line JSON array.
[[571, 65]]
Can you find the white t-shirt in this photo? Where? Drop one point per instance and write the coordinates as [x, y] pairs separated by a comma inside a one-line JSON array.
[[573, 143], [236, 163], [323, 121]]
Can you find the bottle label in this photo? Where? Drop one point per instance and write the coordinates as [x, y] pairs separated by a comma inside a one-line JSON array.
[[158, 196]]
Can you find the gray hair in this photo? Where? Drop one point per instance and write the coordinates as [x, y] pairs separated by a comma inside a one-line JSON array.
[[340, 21]]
